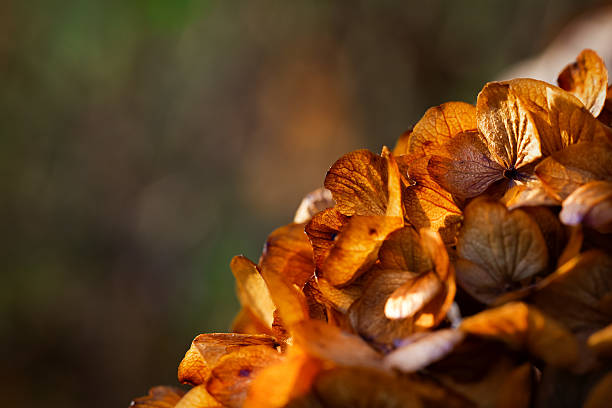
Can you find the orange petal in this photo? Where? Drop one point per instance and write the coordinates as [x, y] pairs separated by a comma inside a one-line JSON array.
[[288, 253], [439, 125], [501, 247], [230, 379], [356, 248], [159, 397], [427, 204], [589, 205], [528, 195], [566, 170], [401, 147], [315, 202], [277, 385], [322, 232], [601, 394], [522, 326], [246, 322], [507, 126], [465, 169], [403, 250], [587, 78], [198, 397], [252, 290], [422, 349], [207, 349], [340, 298], [601, 341], [291, 304]]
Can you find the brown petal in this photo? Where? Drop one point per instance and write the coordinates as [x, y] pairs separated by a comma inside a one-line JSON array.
[[507, 126], [601, 341], [578, 294], [198, 397], [288, 253], [322, 231], [600, 395], [159, 397], [412, 296], [340, 298], [427, 204], [465, 170], [503, 248], [439, 125], [522, 326], [331, 344], [589, 205], [315, 202], [403, 250], [422, 349], [587, 78], [566, 170], [554, 233], [207, 349], [363, 183], [252, 290], [367, 315], [356, 248], [230, 379], [277, 385]]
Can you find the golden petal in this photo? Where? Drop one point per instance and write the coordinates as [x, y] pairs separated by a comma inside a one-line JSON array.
[[566, 170], [422, 349], [322, 232], [291, 304], [198, 397], [230, 379], [159, 397], [252, 290], [246, 322], [506, 248], [340, 298], [412, 296], [528, 195], [507, 126], [601, 341], [356, 248], [587, 78], [522, 326], [589, 205], [403, 250], [439, 125], [288, 253], [315, 202], [207, 349]]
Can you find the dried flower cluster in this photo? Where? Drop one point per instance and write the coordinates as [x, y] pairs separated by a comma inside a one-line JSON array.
[[470, 267]]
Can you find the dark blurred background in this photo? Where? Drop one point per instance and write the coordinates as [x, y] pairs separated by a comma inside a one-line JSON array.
[[146, 142]]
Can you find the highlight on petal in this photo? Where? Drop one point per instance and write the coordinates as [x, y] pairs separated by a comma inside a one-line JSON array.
[[315, 202], [412, 296], [465, 169], [439, 125], [507, 126], [601, 341], [331, 344], [207, 349], [566, 170], [579, 293], [421, 349], [231, 377], [159, 397], [587, 78], [498, 250], [589, 205], [523, 326], [198, 397], [528, 195], [356, 248], [252, 290], [288, 253], [367, 315]]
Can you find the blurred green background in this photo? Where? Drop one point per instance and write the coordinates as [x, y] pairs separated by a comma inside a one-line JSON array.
[[145, 143]]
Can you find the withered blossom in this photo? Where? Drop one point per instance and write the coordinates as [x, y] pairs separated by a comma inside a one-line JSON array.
[[469, 267]]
